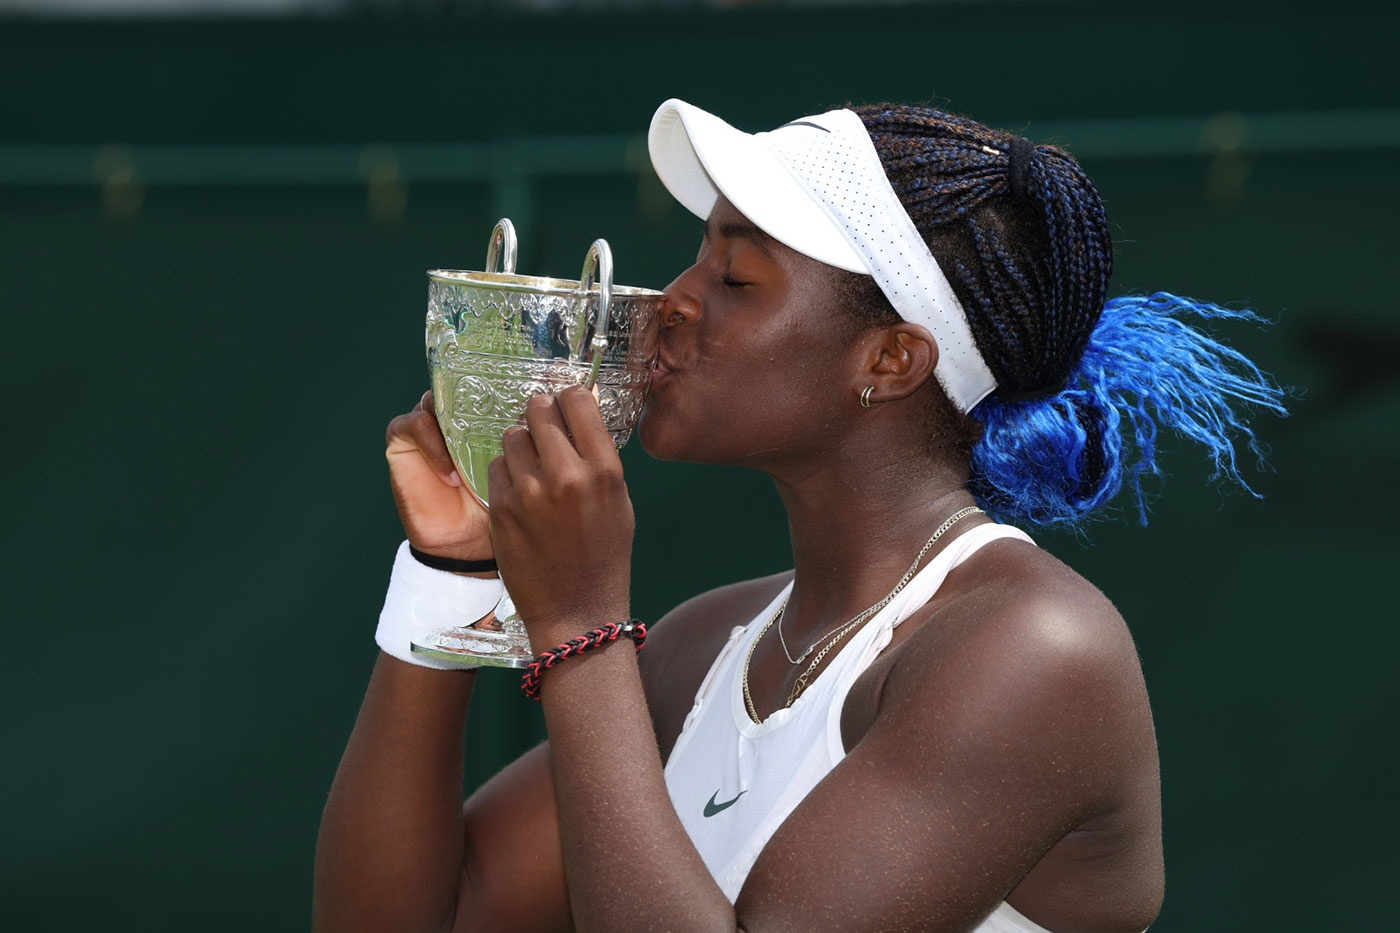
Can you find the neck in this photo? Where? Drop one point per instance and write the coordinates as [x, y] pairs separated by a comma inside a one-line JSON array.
[[856, 528]]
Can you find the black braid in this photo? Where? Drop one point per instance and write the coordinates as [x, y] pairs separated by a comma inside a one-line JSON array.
[[1031, 271]]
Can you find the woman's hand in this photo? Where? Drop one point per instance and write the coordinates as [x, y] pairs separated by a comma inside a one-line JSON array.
[[439, 513], [561, 519]]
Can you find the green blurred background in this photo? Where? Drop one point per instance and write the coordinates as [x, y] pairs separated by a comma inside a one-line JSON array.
[[213, 235]]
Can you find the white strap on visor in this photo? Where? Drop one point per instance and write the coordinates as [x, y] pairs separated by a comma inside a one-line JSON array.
[[827, 162]]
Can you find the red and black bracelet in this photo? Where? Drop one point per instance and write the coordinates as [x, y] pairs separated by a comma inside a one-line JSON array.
[[633, 628]]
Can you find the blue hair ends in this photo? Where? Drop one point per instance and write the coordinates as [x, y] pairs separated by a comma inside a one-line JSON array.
[[1062, 458]]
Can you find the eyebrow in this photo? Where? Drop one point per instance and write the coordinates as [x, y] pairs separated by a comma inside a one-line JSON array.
[[739, 230]]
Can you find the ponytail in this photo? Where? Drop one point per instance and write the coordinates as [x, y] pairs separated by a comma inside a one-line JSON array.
[[1021, 233], [1062, 458]]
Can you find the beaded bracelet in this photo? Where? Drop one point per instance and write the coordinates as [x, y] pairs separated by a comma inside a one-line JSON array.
[[633, 628]]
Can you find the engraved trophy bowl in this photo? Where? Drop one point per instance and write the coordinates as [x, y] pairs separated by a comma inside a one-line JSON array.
[[495, 339]]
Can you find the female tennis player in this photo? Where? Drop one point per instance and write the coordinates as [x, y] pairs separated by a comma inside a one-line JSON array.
[[902, 317]]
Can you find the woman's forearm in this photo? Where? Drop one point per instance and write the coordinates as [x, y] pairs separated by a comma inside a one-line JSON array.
[[629, 862], [389, 852]]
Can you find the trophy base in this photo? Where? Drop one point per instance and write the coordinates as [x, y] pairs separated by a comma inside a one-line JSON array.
[[497, 640], [469, 646]]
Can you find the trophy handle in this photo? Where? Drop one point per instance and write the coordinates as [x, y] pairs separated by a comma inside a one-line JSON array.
[[597, 265], [502, 240]]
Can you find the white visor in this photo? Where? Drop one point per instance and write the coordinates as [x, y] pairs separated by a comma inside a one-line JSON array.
[[817, 185]]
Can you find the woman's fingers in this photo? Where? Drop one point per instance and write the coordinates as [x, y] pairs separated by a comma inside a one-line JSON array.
[[518, 449], [498, 484], [583, 419], [439, 514], [559, 431], [550, 434], [418, 429], [567, 442], [561, 519]]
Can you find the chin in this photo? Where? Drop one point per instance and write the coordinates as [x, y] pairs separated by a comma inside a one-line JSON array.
[[669, 438], [653, 436]]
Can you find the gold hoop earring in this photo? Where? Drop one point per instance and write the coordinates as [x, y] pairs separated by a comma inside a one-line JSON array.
[[865, 396]]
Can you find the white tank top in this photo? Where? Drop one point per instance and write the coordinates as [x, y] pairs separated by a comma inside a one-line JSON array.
[[733, 781]]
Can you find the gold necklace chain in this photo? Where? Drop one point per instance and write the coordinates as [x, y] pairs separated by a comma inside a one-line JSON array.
[[833, 638], [748, 699], [783, 641]]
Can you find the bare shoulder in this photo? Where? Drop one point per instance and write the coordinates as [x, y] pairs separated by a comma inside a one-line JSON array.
[[684, 643], [1019, 653], [1013, 605]]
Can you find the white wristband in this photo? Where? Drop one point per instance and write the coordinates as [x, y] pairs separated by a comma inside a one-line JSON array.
[[422, 601]]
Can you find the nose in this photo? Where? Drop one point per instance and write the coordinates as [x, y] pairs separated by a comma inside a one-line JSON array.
[[682, 304]]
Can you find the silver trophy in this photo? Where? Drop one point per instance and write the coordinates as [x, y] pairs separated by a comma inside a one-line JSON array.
[[494, 340]]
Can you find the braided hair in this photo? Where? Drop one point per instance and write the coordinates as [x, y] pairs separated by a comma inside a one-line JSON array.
[[1083, 383]]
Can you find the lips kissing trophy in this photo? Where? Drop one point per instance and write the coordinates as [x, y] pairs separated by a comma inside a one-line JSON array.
[[494, 340]]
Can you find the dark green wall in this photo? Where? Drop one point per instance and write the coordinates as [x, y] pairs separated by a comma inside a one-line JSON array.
[[197, 374]]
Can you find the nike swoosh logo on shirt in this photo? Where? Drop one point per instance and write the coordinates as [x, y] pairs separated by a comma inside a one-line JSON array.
[[712, 808]]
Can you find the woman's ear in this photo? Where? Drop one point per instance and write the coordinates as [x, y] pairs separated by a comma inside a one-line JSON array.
[[898, 361]]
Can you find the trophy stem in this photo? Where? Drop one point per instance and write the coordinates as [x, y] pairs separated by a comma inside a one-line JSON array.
[[497, 640]]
